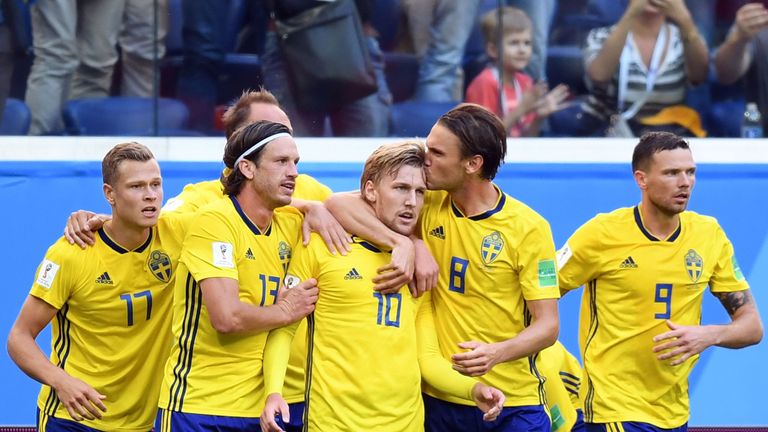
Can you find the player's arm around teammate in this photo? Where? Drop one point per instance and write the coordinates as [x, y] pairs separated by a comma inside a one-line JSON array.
[[411, 260]]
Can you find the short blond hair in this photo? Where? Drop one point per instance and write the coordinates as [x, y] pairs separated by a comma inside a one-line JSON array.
[[122, 152], [513, 20], [389, 158]]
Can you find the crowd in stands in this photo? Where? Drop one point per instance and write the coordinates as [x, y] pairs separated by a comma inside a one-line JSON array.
[[546, 67]]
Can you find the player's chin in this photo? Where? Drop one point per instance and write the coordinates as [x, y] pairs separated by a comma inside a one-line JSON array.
[[148, 221], [404, 227]]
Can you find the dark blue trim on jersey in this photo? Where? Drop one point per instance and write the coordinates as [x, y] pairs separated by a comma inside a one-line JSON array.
[[569, 382], [593, 326], [485, 215], [62, 347], [186, 342], [119, 249], [368, 245], [308, 368], [571, 376], [247, 220], [651, 237]]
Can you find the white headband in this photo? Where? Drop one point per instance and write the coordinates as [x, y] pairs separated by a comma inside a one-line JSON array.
[[259, 145]]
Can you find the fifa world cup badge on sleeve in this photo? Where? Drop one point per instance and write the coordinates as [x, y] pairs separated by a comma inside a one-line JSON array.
[[48, 270], [222, 255], [563, 255]]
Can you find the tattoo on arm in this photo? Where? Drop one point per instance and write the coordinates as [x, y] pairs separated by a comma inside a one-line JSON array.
[[732, 301]]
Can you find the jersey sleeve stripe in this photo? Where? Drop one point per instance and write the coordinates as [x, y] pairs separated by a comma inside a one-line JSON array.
[[61, 347], [186, 344], [308, 376]]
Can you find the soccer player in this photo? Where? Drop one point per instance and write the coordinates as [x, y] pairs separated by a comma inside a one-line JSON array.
[[227, 296], [107, 305], [496, 298], [646, 269], [364, 371], [250, 107]]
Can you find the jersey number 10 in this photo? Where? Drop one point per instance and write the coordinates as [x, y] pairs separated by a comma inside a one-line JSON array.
[[385, 314]]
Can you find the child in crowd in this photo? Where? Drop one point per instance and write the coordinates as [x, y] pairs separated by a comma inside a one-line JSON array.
[[525, 104]]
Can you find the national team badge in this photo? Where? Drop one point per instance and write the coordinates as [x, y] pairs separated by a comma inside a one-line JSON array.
[[694, 264], [284, 252], [491, 247], [160, 265]]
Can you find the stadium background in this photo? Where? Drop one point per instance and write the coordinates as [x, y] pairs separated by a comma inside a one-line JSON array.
[[42, 180]]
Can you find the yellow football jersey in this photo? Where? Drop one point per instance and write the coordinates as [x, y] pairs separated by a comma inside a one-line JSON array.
[[112, 329], [635, 282], [490, 265], [208, 372], [199, 194], [363, 371], [563, 377]]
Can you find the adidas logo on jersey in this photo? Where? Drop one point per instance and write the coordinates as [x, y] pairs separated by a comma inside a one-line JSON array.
[[353, 274], [438, 232], [104, 279], [249, 254], [628, 263]]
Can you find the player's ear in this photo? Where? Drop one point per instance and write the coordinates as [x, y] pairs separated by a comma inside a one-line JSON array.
[[473, 164], [109, 194], [640, 179], [369, 192], [247, 168]]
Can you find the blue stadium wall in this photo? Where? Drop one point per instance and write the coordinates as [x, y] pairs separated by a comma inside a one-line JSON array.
[[40, 187]]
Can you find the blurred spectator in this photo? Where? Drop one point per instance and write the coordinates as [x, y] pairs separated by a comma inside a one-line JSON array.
[[745, 54], [140, 46], [368, 116], [540, 12], [70, 36], [204, 52], [440, 30], [642, 64], [525, 104]]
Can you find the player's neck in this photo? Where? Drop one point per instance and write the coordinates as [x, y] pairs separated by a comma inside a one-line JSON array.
[[657, 222], [129, 236], [475, 197], [254, 207]]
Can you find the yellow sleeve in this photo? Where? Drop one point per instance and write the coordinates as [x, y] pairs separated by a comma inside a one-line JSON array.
[[174, 225], [278, 348], [435, 369], [575, 260], [538, 268], [307, 188], [209, 248], [56, 275], [727, 275], [276, 354]]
